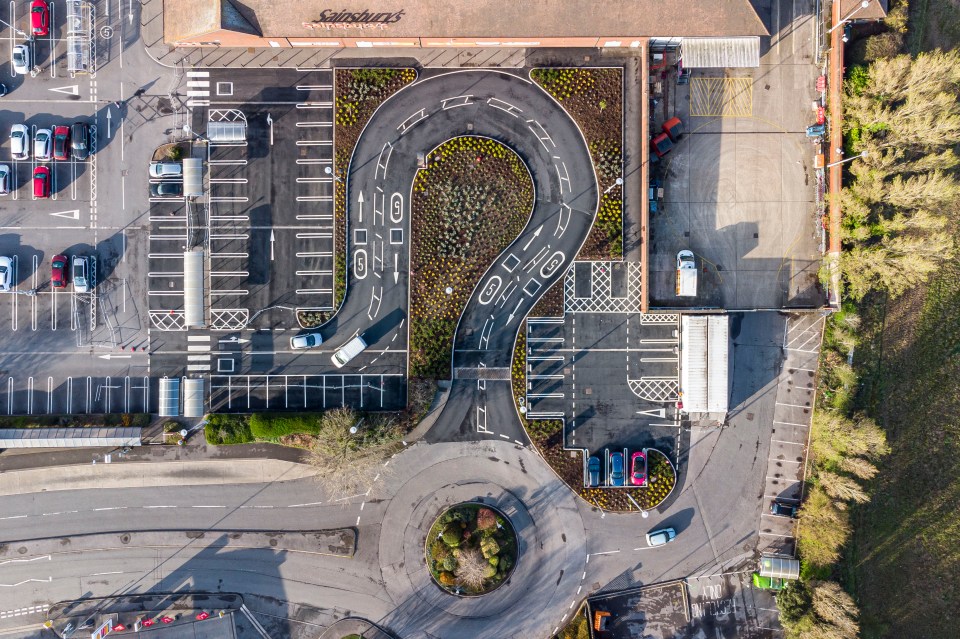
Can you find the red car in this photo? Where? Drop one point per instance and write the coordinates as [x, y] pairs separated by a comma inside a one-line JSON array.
[[61, 142], [40, 17], [673, 128], [58, 273], [638, 469], [661, 145], [41, 182]]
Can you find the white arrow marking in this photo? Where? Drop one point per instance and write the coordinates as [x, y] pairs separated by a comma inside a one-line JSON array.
[[109, 124], [270, 123], [234, 340], [111, 356], [360, 202], [272, 240], [130, 11], [535, 235], [73, 89], [510, 319], [73, 215], [659, 412], [396, 268]]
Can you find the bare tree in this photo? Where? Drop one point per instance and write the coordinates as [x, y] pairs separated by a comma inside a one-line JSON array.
[[843, 488], [824, 528], [836, 608], [472, 568], [859, 467]]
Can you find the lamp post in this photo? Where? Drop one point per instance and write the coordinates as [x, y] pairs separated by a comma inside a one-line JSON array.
[[838, 162], [863, 5], [619, 182], [329, 171]]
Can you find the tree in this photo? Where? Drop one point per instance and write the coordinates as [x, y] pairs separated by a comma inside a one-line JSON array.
[[835, 609], [842, 487], [473, 567], [824, 528]]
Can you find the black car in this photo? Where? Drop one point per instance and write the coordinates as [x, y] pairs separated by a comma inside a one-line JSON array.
[[167, 189], [593, 472], [783, 509], [80, 140]]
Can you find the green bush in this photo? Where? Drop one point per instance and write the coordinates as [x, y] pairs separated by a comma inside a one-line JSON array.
[[451, 534], [450, 563], [274, 425], [224, 429]]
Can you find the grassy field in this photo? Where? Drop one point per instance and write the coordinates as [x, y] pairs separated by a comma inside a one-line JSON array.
[[904, 558]]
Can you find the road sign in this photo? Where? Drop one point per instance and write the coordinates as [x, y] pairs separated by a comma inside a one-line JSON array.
[[203, 615], [148, 622], [105, 629]]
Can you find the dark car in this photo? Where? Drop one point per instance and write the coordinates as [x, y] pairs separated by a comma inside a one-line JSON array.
[[167, 189], [39, 18], [61, 142], [616, 469], [80, 140], [58, 271], [593, 472], [661, 145], [783, 509]]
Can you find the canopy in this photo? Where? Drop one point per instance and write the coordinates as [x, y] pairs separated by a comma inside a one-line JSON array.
[[720, 53], [779, 567], [169, 397], [68, 437]]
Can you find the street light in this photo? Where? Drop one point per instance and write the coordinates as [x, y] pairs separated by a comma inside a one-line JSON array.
[[330, 172], [863, 5], [619, 182], [862, 155]]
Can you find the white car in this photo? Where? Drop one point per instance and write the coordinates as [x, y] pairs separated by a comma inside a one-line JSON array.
[[81, 274], [660, 537], [20, 142], [21, 59], [4, 179], [160, 170], [6, 273], [42, 144], [307, 340]]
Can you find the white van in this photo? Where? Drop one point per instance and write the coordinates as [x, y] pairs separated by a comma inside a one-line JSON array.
[[348, 351]]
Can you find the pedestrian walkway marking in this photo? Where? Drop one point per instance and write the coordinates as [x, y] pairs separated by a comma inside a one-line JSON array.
[[721, 97]]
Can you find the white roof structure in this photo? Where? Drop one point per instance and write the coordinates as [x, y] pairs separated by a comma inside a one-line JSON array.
[[779, 567], [721, 53], [704, 356], [193, 311], [68, 437]]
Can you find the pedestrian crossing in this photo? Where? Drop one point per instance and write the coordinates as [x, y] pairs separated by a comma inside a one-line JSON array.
[[198, 88], [199, 353]]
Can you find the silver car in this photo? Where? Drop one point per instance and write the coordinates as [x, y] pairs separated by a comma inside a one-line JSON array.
[[307, 340], [22, 59], [4, 179], [81, 274], [660, 537], [6, 273], [160, 170], [20, 142], [43, 144]]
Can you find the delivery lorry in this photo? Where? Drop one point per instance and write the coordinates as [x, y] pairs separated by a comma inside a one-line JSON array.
[[686, 274]]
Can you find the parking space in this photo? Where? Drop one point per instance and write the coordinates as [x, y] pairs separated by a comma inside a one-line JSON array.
[[244, 393], [49, 395], [796, 392]]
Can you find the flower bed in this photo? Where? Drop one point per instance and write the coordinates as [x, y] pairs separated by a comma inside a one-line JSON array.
[[358, 94], [473, 199], [471, 549], [547, 436], [594, 99]]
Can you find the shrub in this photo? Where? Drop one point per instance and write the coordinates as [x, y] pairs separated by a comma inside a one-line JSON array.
[[489, 571], [227, 429], [486, 519], [273, 425], [451, 534], [447, 579], [449, 563], [489, 547], [883, 45]]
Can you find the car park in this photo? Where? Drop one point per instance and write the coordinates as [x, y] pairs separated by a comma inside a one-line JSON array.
[[6, 273], [81, 274], [783, 509], [4, 179], [166, 189], [80, 140], [61, 142], [22, 59], [58, 271], [41, 182], [40, 18], [307, 340], [42, 144], [20, 142], [660, 537], [593, 472], [161, 170], [616, 469], [638, 468]]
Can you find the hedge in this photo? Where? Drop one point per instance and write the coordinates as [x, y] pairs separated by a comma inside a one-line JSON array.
[[224, 429], [273, 425]]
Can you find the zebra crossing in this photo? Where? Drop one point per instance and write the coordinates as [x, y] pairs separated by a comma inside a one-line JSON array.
[[198, 88]]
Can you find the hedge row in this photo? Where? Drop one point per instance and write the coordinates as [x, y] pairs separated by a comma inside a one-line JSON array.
[[273, 425]]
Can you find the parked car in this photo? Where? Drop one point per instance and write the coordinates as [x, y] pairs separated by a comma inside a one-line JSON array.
[[6, 273], [81, 274], [4, 179], [660, 537], [307, 340], [61, 142], [39, 18], [160, 170], [58, 271], [661, 145], [783, 509], [348, 351], [42, 144], [616, 469], [20, 142], [167, 189], [80, 140], [673, 128], [593, 472], [22, 60], [638, 468], [3, 89], [41, 182]]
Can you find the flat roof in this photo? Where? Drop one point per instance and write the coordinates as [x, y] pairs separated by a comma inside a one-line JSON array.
[[458, 19]]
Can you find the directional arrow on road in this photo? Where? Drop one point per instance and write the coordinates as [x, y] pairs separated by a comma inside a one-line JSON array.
[[360, 202], [536, 234], [510, 319], [109, 124], [234, 340], [273, 239], [73, 89], [73, 215], [112, 356], [658, 412], [396, 268]]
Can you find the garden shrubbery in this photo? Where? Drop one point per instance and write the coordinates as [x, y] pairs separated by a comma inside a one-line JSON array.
[[274, 425], [224, 429], [471, 549]]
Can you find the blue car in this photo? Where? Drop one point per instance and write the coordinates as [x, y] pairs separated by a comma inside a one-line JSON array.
[[616, 469], [593, 472]]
